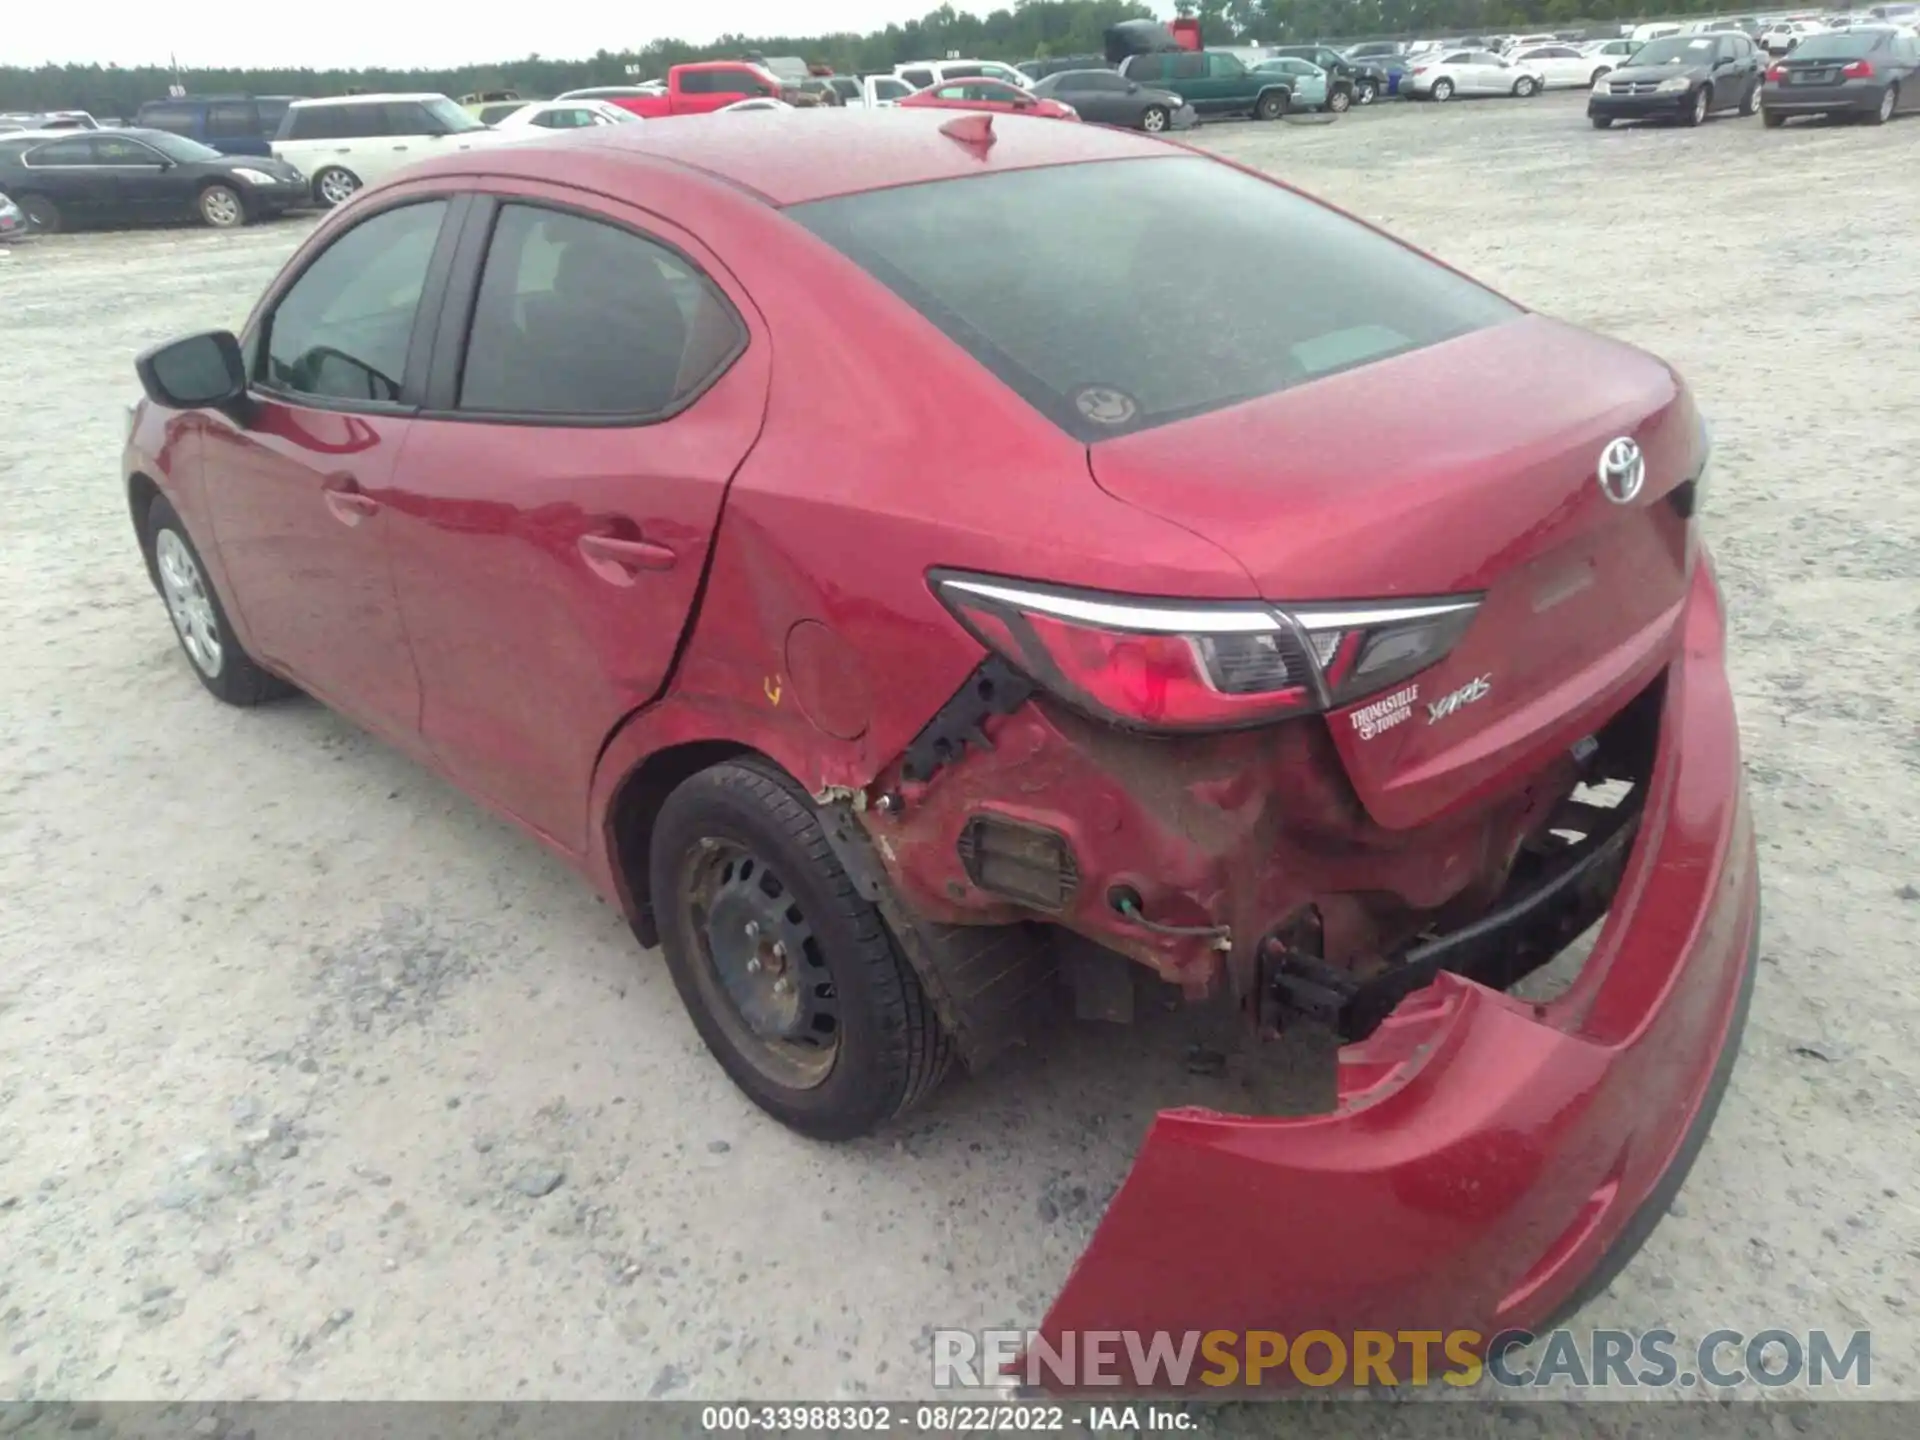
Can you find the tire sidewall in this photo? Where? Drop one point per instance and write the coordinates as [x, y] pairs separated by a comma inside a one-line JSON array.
[[42, 214], [1340, 102], [1271, 107], [239, 203], [857, 1093], [162, 516], [319, 182], [1442, 90], [1146, 116]]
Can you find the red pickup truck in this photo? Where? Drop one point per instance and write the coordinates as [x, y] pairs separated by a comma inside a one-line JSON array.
[[706, 86]]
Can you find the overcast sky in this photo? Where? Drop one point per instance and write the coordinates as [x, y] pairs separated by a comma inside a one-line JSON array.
[[402, 33]]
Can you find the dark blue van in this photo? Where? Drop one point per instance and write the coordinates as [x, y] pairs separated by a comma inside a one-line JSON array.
[[231, 124]]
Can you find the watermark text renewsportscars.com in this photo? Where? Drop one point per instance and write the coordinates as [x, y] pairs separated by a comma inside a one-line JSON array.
[[1134, 1360]]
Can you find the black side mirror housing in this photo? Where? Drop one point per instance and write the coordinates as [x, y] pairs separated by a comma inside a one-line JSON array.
[[201, 372]]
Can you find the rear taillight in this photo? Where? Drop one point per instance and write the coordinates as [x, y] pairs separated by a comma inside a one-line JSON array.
[[1858, 70], [1776, 73], [1178, 665]]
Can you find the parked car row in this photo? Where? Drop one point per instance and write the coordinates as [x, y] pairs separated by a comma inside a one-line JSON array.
[[1872, 73]]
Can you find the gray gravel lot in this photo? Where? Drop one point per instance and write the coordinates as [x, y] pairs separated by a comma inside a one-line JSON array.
[[316, 1081]]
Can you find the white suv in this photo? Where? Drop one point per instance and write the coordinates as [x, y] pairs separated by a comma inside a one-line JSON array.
[[353, 140], [925, 73]]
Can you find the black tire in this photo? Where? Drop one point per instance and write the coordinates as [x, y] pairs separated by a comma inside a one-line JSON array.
[[889, 1049], [222, 207], [1889, 102], [1443, 89], [42, 213], [1155, 120], [1365, 93], [335, 185], [1750, 100], [1601, 122], [231, 675], [1772, 119], [1339, 102], [1272, 105], [1698, 107]]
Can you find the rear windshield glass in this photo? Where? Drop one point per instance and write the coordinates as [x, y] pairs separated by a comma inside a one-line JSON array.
[[1838, 47], [1121, 295]]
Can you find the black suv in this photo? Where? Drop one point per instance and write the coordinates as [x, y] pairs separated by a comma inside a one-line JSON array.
[[1369, 80]]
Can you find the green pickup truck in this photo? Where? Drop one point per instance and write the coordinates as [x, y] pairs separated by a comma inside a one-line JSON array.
[[1213, 83]]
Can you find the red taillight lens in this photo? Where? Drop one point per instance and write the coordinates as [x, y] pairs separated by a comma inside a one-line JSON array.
[[1858, 70], [1776, 74], [1173, 665]]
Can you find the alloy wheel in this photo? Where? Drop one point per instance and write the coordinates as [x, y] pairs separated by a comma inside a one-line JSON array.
[[337, 187], [189, 603], [220, 207], [1154, 121]]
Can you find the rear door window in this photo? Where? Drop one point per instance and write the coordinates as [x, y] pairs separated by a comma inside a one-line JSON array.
[[582, 318], [178, 119], [1108, 296], [335, 122], [57, 153], [232, 120]]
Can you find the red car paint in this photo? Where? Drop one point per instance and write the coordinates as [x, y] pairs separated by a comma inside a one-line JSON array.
[[995, 97], [732, 81], [523, 609]]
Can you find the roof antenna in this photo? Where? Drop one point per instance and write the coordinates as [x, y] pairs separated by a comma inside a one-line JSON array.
[[971, 130]]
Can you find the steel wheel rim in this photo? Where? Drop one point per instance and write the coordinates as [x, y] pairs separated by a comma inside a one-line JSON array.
[[222, 207], [759, 965], [189, 604], [336, 188]]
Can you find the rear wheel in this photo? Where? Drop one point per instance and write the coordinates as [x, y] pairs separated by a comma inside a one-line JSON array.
[[1339, 101], [1772, 119], [1524, 86], [1366, 92], [1272, 105], [335, 186], [42, 213], [788, 973], [1154, 119], [1889, 102], [1443, 89], [1750, 102], [222, 208], [1696, 112], [1601, 122]]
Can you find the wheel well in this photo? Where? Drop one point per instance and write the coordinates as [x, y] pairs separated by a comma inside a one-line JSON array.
[[1285, 91], [636, 806], [141, 493]]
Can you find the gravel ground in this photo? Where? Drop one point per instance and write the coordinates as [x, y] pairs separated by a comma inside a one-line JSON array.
[[317, 1082]]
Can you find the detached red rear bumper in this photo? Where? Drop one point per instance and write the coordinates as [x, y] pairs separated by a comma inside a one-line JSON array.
[[1490, 1164]]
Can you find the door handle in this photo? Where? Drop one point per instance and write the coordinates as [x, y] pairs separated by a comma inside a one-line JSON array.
[[350, 507], [618, 561]]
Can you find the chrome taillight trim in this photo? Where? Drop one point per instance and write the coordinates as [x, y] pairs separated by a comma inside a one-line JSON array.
[[1141, 618]]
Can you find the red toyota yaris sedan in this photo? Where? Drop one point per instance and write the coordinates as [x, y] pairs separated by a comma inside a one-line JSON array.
[[911, 576]]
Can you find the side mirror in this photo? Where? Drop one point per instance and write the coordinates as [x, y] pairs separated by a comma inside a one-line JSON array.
[[201, 372]]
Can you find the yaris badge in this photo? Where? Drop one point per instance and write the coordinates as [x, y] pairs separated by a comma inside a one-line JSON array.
[[1622, 471], [1476, 689]]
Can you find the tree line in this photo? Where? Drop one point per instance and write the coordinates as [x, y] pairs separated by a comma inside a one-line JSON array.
[[1029, 28]]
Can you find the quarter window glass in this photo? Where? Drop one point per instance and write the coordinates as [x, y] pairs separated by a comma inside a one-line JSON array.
[[341, 332], [919, 79], [576, 317]]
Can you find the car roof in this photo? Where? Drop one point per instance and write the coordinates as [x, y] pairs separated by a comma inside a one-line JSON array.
[[802, 155], [366, 99]]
